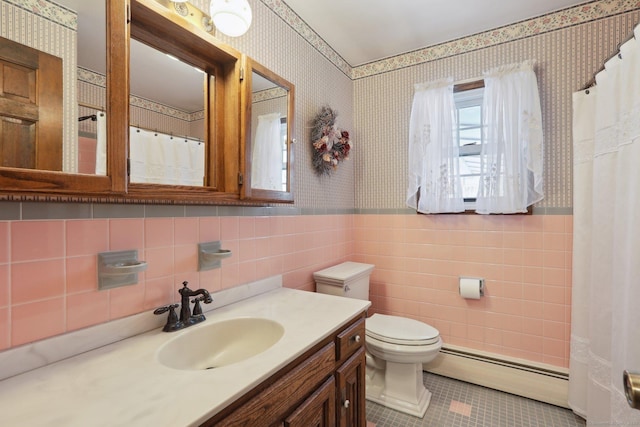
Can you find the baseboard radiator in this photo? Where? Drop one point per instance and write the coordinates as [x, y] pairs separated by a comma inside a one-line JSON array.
[[546, 383]]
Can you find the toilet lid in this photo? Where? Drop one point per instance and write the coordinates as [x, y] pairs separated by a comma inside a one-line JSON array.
[[400, 330]]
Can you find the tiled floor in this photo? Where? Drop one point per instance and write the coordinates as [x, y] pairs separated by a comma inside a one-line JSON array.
[[458, 404]]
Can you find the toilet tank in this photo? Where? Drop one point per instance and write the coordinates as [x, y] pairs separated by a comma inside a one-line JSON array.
[[349, 279]]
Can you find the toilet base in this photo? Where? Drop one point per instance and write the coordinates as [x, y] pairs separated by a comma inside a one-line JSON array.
[[399, 386]]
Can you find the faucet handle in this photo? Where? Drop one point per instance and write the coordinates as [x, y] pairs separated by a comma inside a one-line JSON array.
[[172, 320], [196, 308], [165, 308]]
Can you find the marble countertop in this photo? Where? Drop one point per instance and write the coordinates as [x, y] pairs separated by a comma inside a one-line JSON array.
[[124, 384]]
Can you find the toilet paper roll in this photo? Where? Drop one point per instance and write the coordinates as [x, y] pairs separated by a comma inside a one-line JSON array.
[[471, 288]]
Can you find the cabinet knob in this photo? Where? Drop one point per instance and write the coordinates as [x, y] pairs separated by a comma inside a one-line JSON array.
[[356, 338], [346, 404]]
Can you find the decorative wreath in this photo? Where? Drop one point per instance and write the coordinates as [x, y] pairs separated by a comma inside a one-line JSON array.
[[331, 145]]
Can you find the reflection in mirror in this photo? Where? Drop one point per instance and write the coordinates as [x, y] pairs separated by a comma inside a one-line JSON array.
[[75, 34], [269, 124], [167, 117], [91, 86]]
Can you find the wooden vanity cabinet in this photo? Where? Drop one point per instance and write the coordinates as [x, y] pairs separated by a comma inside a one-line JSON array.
[[350, 376], [324, 388]]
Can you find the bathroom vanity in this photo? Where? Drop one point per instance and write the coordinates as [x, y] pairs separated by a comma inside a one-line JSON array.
[[314, 374], [325, 387]]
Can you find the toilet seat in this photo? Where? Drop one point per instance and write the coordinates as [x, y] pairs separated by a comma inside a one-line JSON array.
[[400, 330]]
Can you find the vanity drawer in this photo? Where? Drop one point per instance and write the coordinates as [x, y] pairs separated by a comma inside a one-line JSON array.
[[350, 340]]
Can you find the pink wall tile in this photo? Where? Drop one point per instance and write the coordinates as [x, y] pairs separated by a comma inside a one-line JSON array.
[[246, 250], [37, 320], [185, 258], [4, 286], [263, 226], [31, 240], [246, 227], [126, 301], [162, 291], [525, 261], [229, 228], [211, 280], [208, 229], [81, 274], [4, 242], [247, 272], [87, 309], [126, 234], [230, 275], [87, 237], [5, 328], [31, 281], [186, 231], [158, 232], [553, 223], [160, 262]]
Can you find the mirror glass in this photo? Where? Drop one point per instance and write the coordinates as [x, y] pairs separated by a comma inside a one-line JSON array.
[[81, 60], [167, 118], [269, 134]]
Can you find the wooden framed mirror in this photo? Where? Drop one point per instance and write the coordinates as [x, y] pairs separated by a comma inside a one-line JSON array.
[[55, 171], [157, 28], [224, 113], [268, 136]]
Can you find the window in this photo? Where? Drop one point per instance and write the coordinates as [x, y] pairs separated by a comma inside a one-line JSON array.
[[477, 146], [469, 135]]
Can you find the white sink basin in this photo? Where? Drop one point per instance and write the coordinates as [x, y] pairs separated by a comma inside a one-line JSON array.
[[219, 344]]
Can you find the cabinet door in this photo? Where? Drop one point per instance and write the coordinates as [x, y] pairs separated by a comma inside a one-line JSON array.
[[350, 379], [30, 108], [280, 398], [318, 410]]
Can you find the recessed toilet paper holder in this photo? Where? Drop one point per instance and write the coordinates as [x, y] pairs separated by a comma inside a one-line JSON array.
[[479, 280]]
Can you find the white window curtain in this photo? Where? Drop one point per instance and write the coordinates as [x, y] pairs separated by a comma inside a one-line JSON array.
[[266, 163], [512, 156], [606, 274], [434, 177]]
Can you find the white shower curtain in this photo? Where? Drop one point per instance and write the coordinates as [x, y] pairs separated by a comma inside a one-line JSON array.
[[266, 163], [606, 273], [101, 143], [158, 158]]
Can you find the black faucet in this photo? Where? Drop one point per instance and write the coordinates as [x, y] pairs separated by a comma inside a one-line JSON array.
[[185, 311], [187, 318]]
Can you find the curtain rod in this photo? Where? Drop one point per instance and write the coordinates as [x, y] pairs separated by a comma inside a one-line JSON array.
[[190, 138], [95, 107], [592, 80]]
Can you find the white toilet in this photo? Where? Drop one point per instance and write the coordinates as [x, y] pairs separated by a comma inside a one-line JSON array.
[[396, 346]]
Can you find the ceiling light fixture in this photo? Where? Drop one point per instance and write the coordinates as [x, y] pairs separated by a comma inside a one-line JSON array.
[[231, 17]]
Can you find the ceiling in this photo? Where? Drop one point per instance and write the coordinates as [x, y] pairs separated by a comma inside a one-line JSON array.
[[362, 31]]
